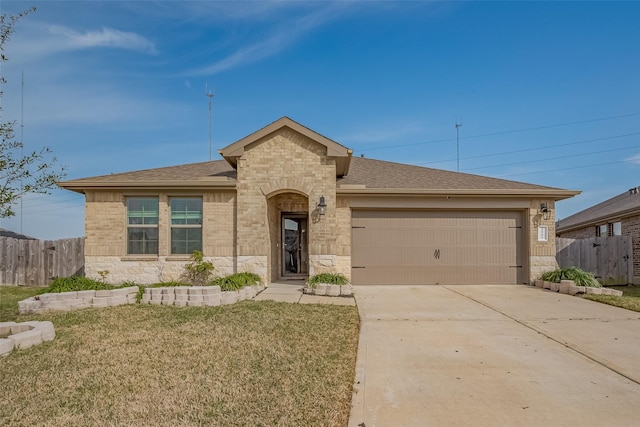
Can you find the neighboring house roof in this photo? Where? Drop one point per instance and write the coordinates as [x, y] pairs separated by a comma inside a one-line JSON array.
[[365, 176], [14, 235], [622, 205]]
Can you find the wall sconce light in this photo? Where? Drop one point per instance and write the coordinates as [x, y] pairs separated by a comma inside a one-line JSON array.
[[545, 211], [322, 206]]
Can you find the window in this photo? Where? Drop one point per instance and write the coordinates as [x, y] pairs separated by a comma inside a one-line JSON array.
[[610, 229], [186, 225], [142, 225], [617, 228]]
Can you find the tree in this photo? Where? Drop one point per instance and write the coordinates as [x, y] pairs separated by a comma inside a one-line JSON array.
[[34, 172]]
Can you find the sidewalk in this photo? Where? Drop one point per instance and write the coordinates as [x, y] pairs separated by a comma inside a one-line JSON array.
[[292, 292]]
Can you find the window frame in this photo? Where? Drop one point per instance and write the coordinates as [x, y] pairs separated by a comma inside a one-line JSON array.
[[145, 241], [196, 224]]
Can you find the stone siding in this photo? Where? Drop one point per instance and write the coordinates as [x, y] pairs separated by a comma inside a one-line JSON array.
[[148, 270], [631, 227], [542, 255]]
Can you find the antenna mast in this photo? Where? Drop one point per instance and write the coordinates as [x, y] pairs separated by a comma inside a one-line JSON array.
[[458, 126], [209, 95]]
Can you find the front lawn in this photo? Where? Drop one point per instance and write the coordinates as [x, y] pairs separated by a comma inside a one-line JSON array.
[[248, 364], [9, 297]]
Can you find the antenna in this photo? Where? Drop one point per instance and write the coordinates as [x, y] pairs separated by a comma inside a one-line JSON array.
[[458, 126], [21, 142], [210, 95]]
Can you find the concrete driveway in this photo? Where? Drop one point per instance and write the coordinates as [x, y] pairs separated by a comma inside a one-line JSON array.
[[493, 356]]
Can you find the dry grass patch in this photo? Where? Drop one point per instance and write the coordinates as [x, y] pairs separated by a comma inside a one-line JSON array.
[[250, 364]]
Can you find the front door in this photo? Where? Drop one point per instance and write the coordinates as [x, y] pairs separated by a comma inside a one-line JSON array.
[[295, 257]]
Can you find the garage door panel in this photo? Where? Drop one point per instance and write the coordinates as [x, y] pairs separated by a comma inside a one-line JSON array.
[[429, 247]]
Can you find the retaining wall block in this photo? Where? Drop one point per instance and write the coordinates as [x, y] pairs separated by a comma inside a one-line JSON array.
[[539, 283], [45, 298], [346, 290], [67, 296], [195, 303], [5, 328], [79, 305], [56, 305], [546, 285], [132, 299], [145, 299], [27, 339], [104, 293], [184, 297], [564, 285], [168, 291], [195, 290], [181, 290], [333, 290], [167, 302], [229, 297], [155, 291], [45, 327], [180, 303], [320, 289], [155, 301], [616, 292], [211, 290], [555, 287], [212, 300], [86, 294], [573, 290], [6, 346], [20, 327], [594, 291], [195, 297]]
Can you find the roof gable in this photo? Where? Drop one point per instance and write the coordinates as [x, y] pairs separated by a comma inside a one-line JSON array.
[[340, 153]]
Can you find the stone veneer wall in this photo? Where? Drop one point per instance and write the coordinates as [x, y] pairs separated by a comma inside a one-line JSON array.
[[542, 255], [283, 162], [145, 271], [631, 227]]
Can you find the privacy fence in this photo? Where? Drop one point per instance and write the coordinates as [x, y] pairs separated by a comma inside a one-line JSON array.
[[35, 262], [610, 259]]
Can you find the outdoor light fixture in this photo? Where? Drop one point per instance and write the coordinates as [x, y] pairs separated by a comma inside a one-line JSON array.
[[322, 206], [545, 211]]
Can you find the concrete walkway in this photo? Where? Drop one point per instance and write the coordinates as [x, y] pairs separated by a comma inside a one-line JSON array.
[[493, 356], [292, 292]]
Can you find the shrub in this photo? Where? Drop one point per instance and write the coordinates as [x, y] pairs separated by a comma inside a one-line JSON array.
[[198, 272], [330, 278], [580, 277]]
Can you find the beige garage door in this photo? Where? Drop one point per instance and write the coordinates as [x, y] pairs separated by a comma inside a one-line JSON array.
[[436, 247]]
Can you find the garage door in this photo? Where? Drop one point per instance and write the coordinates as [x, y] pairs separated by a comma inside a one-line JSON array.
[[436, 247]]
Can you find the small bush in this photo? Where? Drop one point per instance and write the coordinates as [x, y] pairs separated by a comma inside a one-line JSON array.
[[330, 278], [236, 281], [198, 272], [76, 283], [580, 277]]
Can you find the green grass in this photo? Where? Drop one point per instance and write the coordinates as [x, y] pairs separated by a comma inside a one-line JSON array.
[[248, 364], [630, 298], [9, 297]]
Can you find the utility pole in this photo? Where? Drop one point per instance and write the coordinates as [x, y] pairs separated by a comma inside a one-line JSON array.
[[210, 95], [458, 126]]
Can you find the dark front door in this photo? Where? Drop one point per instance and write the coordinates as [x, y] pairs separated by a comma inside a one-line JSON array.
[[295, 257]]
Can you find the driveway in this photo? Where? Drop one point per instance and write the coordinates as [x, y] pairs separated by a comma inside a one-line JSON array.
[[493, 356]]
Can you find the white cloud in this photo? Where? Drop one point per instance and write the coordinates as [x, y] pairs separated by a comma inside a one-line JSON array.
[[107, 37], [282, 37], [633, 159]]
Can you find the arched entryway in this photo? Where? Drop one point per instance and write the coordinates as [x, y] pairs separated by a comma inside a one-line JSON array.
[[289, 236]]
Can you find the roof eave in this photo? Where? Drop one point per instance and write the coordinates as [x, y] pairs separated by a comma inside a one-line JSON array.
[[555, 194], [82, 187]]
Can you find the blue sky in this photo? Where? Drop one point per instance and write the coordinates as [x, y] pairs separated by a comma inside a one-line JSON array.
[[547, 92]]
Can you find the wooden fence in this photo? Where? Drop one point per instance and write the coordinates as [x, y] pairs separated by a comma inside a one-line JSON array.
[[35, 262], [610, 259]]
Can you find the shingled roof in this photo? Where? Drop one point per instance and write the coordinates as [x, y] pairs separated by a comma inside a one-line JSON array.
[[365, 176], [625, 204]]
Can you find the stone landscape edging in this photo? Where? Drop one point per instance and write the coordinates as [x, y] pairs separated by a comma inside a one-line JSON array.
[[198, 296], [77, 300], [180, 296], [569, 287], [24, 335], [329, 290]]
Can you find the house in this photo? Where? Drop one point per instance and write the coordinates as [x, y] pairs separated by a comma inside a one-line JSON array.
[[286, 202], [618, 216], [14, 235]]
